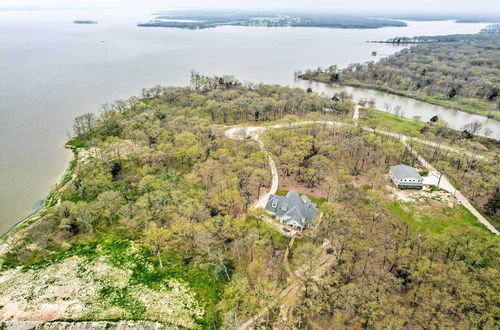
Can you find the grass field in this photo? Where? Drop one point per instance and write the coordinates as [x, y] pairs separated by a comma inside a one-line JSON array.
[[435, 220], [392, 123]]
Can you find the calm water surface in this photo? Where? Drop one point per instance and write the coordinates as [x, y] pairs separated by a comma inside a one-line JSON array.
[[409, 107], [52, 70]]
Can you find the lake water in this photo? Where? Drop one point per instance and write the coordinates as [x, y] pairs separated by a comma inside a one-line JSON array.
[[409, 107], [52, 70]]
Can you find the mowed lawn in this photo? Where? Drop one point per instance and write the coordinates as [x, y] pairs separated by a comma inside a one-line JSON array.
[[434, 219], [392, 123]]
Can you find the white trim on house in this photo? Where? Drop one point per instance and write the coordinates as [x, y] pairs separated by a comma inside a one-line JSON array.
[[406, 177]]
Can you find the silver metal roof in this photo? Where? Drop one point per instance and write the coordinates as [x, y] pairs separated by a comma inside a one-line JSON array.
[[405, 172]]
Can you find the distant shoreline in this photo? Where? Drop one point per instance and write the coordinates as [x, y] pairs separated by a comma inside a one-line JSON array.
[[205, 19], [85, 22]]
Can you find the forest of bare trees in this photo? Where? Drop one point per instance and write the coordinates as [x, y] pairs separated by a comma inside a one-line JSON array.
[[160, 193]]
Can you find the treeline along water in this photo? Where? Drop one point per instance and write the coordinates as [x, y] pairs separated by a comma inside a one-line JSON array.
[[53, 70]]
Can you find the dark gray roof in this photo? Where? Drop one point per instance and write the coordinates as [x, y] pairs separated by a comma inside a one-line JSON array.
[[405, 172], [292, 208]]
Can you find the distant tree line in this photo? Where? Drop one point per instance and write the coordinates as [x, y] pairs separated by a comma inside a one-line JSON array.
[[491, 29], [209, 19], [459, 71]]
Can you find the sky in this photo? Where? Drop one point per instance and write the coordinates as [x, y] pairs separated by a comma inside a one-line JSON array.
[[407, 6]]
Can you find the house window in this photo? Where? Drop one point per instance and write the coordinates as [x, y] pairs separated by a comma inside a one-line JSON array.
[[283, 207], [275, 204]]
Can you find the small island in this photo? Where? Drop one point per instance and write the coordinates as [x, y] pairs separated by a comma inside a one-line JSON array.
[[85, 22]]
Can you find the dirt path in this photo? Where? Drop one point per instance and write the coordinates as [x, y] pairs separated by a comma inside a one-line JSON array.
[[291, 274], [289, 289], [355, 115], [245, 133], [265, 310], [254, 133], [287, 296]]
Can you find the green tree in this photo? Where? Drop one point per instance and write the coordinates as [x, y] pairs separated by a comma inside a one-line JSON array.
[[155, 239]]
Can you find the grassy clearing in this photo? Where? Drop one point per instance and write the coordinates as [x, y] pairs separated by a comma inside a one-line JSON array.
[[381, 120], [392, 123], [433, 220], [389, 122]]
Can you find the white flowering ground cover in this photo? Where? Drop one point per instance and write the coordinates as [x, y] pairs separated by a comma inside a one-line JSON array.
[[81, 288], [83, 325]]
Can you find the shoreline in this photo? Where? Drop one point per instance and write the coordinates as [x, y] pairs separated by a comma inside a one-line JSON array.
[[72, 161], [49, 200], [402, 94]]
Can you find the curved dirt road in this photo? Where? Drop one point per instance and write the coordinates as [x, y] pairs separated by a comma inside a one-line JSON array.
[[254, 132], [245, 133]]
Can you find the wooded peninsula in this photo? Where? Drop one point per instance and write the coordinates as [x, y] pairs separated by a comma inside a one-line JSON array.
[[459, 72], [193, 19], [157, 215]]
